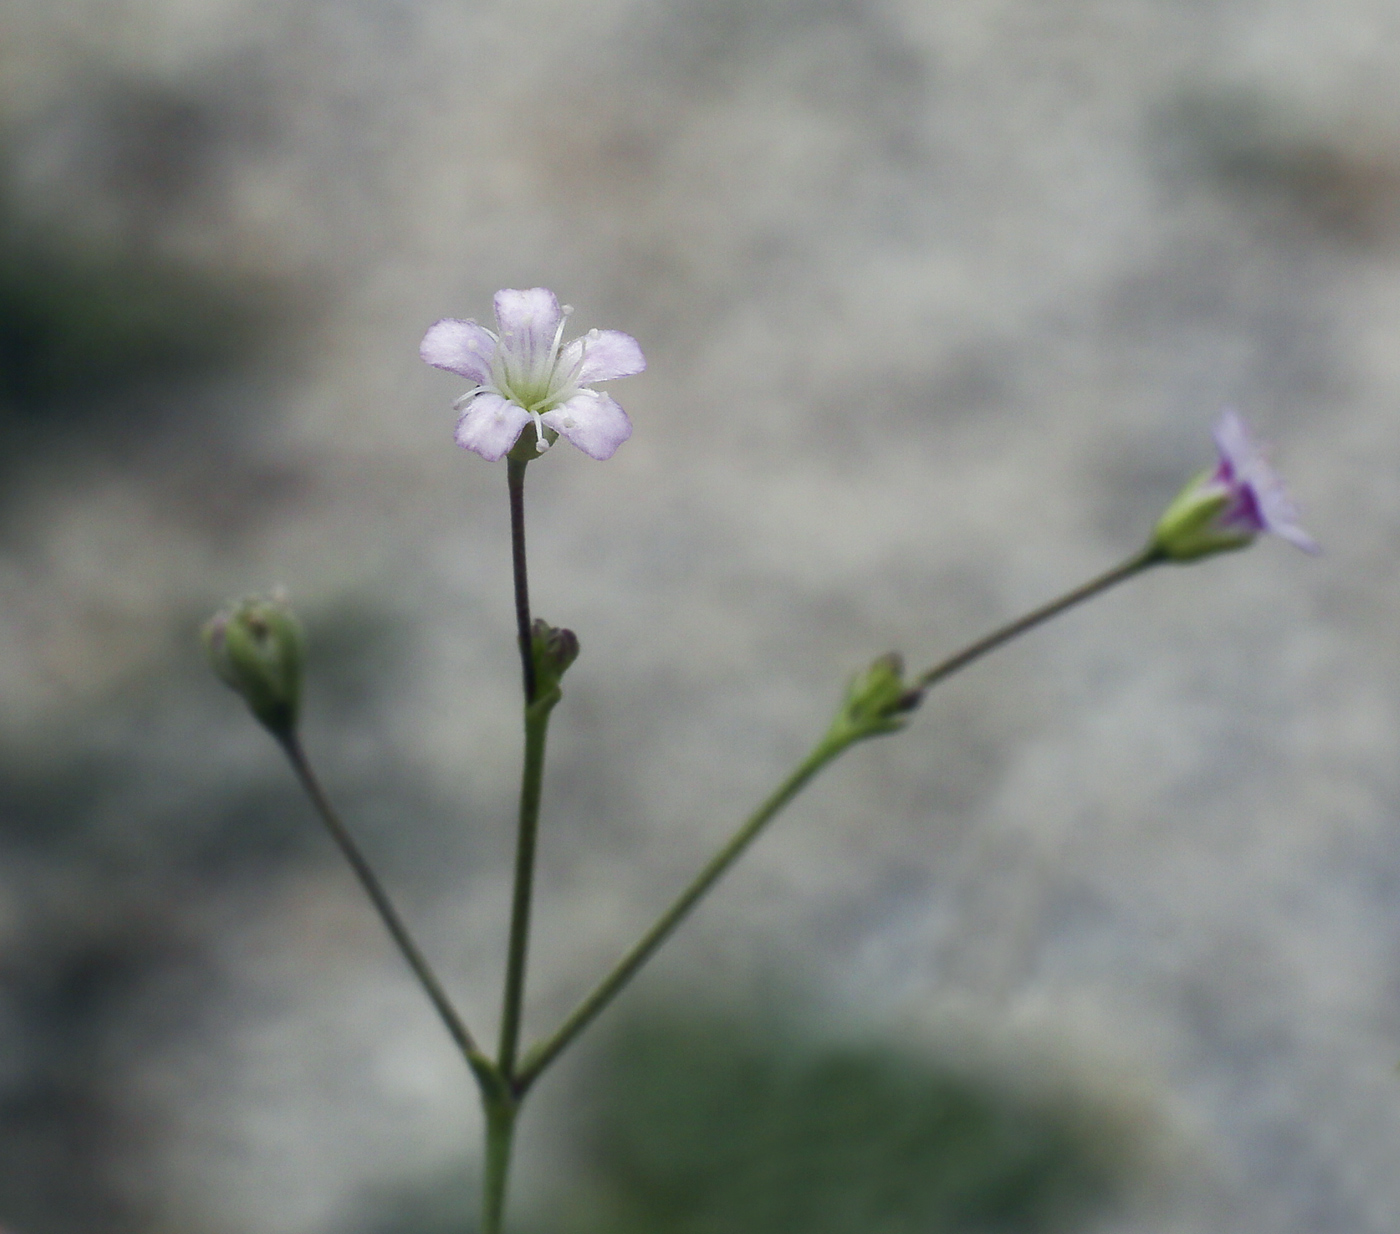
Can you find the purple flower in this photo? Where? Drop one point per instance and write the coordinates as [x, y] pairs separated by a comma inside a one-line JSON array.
[[1226, 508], [522, 374]]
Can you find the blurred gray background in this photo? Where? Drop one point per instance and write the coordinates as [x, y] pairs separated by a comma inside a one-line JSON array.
[[939, 301]]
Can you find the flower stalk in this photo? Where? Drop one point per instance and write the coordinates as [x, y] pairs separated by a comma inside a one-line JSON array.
[[546, 653], [501, 1109], [481, 1065], [515, 480], [536, 727], [1136, 564]]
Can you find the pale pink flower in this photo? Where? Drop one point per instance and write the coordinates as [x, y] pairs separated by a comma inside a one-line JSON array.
[[523, 374]]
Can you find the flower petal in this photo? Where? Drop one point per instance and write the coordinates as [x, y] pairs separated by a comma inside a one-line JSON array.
[[1297, 537], [460, 347], [1277, 512], [529, 321], [490, 425], [1237, 449], [592, 421], [1249, 473], [606, 354]]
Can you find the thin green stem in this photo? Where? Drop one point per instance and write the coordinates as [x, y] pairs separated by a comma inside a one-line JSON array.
[[515, 479], [543, 1053], [500, 1132], [536, 727], [1134, 565], [503, 1104], [537, 712], [481, 1065]]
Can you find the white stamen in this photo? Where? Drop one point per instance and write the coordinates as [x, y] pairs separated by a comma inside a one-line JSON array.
[[564, 312], [541, 441], [459, 403]]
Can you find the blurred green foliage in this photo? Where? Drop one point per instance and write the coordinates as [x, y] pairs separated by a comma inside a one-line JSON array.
[[728, 1124], [80, 324], [724, 1126]]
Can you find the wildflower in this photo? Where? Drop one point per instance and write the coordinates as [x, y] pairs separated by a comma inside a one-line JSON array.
[[1226, 508], [523, 377]]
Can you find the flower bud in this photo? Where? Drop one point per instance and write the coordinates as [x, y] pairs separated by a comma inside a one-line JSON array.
[[255, 646], [876, 701], [553, 650]]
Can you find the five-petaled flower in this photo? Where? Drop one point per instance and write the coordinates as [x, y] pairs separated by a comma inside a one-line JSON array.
[[524, 375], [1225, 508]]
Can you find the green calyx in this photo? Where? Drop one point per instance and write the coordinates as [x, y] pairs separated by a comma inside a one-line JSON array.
[[527, 445], [1191, 526], [877, 701], [256, 647], [553, 649]]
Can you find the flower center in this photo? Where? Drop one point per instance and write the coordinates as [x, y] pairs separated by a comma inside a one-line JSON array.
[[531, 377]]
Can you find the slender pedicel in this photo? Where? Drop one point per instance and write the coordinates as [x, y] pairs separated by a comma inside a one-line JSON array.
[[398, 931], [531, 777], [1136, 564], [515, 481]]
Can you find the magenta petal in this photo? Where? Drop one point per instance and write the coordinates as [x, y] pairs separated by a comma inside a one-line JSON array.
[[490, 425], [606, 354], [460, 347], [592, 421], [529, 321]]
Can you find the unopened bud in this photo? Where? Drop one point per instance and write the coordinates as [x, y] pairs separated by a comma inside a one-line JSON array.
[[877, 701], [553, 650], [255, 646]]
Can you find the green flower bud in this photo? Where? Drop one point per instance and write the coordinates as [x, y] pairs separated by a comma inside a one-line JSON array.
[[553, 650], [877, 701], [255, 646]]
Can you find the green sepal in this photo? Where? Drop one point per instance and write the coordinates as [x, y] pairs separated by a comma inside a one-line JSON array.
[[527, 445], [1190, 527]]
